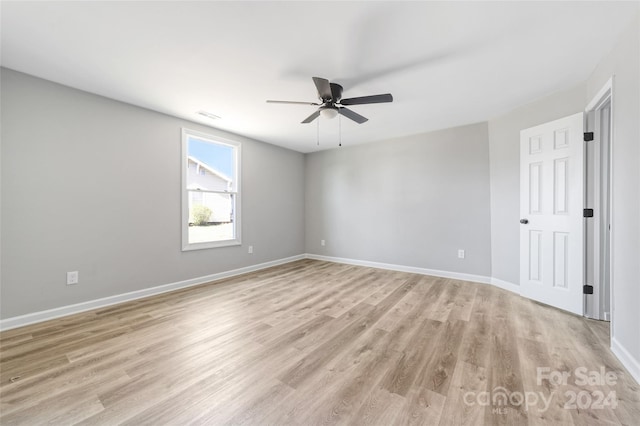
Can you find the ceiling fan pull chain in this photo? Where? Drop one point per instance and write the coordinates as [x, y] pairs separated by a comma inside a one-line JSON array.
[[339, 131], [318, 132]]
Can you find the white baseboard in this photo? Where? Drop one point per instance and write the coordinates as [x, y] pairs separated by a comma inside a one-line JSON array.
[[50, 314], [506, 285], [402, 268], [630, 363]]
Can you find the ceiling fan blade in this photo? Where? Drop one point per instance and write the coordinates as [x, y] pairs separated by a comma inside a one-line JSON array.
[[312, 117], [336, 92], [292, 102], [352, 115], [374, 99], [324, 88]]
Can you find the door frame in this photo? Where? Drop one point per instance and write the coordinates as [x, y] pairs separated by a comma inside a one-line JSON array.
[[603, 98]]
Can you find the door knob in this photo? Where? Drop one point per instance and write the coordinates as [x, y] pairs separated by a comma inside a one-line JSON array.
[[524, 221]]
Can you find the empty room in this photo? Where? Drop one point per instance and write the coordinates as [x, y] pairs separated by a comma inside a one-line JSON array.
[[320, 212]]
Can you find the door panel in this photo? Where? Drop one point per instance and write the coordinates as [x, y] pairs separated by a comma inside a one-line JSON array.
[[560, 259], [560, 186], [535, 256], [535, 184], [551, 201]]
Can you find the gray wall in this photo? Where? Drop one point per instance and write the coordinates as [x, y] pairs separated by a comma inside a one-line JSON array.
[[92, 184], [410, 201], [624, 63], [504, 148]]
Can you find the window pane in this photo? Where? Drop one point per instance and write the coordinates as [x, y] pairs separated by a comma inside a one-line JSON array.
[[210, 165], [211, 216]]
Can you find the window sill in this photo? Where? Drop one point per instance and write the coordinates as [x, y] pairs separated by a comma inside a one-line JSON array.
[[210, 245]]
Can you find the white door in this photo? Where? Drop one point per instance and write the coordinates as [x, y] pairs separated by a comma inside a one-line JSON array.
[[551, 203]]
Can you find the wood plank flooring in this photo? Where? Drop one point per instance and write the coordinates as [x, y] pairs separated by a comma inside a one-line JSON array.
[[314, 342]]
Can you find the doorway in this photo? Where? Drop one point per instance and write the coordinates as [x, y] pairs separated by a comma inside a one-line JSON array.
[[598, 195]]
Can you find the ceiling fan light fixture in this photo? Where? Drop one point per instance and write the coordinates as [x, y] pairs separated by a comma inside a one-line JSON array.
[[329, 112]]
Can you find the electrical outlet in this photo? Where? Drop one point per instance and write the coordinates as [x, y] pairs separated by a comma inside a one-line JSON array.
[[460, 254], [250, 250], [72, 277], [322, 243]]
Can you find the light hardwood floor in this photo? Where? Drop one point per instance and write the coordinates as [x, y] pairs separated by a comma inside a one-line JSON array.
[[312, 342]]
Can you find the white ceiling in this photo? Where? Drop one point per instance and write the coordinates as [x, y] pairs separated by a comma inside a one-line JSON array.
[[446, 63]]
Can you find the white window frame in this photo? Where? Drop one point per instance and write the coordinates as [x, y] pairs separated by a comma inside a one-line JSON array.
[[237, 240]]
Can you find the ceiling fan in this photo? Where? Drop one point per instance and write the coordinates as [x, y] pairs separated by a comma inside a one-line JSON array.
[[332, 103]]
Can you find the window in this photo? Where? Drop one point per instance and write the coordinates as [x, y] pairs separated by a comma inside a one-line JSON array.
[[210, 191]]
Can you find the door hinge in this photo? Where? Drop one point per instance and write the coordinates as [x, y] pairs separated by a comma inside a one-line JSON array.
[[587, 289], [588, 136], [587, 213]]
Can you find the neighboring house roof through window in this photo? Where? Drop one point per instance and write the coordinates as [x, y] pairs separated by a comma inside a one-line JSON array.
[[209, 169]]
